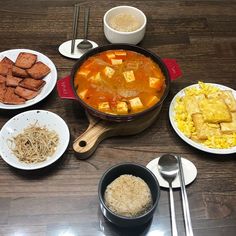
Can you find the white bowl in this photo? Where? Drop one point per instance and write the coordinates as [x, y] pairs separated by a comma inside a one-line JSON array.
[[133, 37]]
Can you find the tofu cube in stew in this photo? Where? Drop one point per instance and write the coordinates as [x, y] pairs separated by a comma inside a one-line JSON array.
[[109, 72], [120, 53], [116, 62], [104, 106], [84, 72], [122, 108], [153, 100], [83, 93], [110, 55], [98, 77], [155, 83], [129, 76], [136, 104]]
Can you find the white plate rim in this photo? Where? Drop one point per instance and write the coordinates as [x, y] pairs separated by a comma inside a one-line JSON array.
[[188, 168], [50, 79], [186, 139], [27, 115]]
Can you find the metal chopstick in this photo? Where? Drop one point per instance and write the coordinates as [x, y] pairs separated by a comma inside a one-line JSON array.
[[75, 26], [187, 218]]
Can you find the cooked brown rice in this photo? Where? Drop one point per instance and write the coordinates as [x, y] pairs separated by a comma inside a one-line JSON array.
[[128, 195]]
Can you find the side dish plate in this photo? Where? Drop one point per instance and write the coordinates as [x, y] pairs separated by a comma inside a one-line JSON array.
[[185, 138], [19, 122], [50, 79]]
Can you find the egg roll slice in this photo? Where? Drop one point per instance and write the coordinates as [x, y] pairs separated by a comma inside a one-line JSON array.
[[229, 127], [228, 98], [191, 103], [215, 110], [204, 129]]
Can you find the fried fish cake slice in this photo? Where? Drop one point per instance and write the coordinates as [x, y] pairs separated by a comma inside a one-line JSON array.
[[215, 110], [229, 127], [11, 98], [227, 96], [19, 72], [25, 93], [12, 81], [25, 60], [204, 129], [191, 103], [33, 84], [38, 70]]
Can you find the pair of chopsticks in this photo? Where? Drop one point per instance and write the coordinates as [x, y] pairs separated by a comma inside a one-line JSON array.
[[187, 218], [75, 26]]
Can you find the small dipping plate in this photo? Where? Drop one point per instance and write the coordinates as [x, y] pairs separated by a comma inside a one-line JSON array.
[[65, 49], [190, 173]]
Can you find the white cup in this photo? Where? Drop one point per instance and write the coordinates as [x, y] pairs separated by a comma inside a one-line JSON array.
[[115, 36]]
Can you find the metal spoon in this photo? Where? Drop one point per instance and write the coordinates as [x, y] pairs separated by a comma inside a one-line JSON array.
[[168, 168], [85, 44]]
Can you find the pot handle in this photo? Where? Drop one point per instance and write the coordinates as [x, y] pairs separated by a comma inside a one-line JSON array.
[[64, 88], [173, 68], [87, 143]]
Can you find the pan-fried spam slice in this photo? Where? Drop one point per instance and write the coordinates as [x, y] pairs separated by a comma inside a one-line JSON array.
[[25, 60], [11, 98], [4, 69], [214, 110], [229, 127], [33, 84], [19, 72], [2, 79], [2, 91], [38, 70], [204, 129], [6, 66], [25, 93], [12, 81], [2, 87], [7, 61]]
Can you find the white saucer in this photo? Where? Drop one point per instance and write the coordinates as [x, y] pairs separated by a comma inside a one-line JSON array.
[[189, 169], [65, 49]]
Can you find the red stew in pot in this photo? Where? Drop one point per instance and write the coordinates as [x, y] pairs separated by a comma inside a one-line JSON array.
[[119, 82]]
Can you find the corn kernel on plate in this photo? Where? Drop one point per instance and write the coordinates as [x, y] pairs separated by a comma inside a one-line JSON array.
[[183, 124]]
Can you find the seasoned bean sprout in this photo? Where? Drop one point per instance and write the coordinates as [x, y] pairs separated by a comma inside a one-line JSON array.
[[35, 144]]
